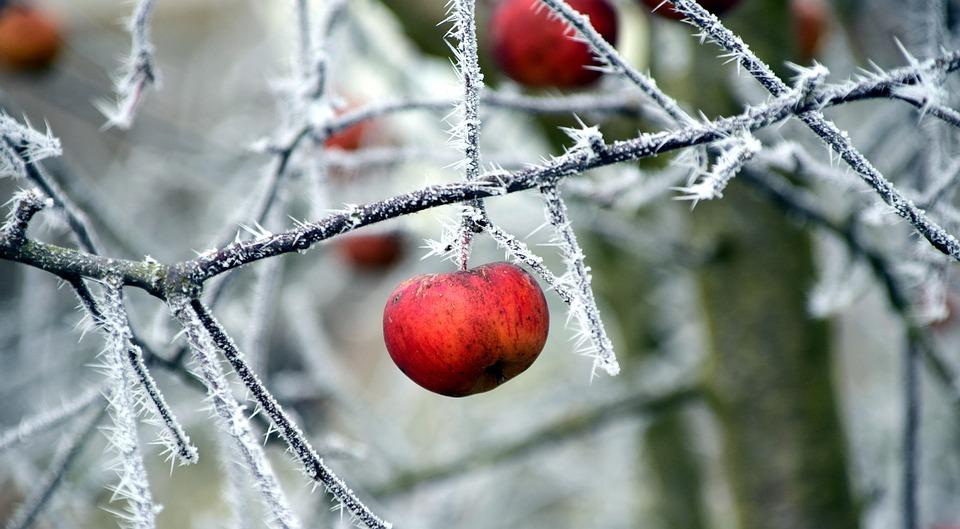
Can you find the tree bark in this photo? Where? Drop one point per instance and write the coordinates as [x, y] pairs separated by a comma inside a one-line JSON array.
[[769, 374]]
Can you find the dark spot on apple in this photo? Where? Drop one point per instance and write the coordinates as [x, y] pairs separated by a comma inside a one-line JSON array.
[[496, 370], [396, 299]]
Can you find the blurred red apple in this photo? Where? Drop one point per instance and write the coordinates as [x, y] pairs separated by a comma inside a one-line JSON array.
[[466, 332], [536, 49], [29, 38], [810, 24], [371, 251], [351, 138], [717, 7]]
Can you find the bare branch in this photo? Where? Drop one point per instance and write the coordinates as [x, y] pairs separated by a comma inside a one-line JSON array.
[[47, 420], [639, 405], [137, 75], [313, 466], [466, 133], [26, 204], [837, 140], [152, 277], [609, 55], [232, 419], [39, 498], [584, 305], [133, 486]]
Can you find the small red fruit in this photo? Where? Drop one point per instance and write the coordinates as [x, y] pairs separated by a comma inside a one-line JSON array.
[[351, 138], [29, 38], [717, 7], [466, 332], [810, 24], [536, 49], [371, 251]]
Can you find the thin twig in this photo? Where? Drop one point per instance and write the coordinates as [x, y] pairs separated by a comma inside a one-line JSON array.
[[313, 465], [137, 75], [585, 306], [569, 427], [232, 418], [467, 132], [711, 27], [47, 420], [133, 486], [27, 513]]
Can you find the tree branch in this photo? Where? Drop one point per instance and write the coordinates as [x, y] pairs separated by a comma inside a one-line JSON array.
[[589, 421]]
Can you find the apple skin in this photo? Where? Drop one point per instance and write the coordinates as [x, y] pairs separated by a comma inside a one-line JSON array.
[[717, 7], [537, 51], [371, 251], [352, 137], [466, 332], [30, 39], [811, 22], [349, 139]]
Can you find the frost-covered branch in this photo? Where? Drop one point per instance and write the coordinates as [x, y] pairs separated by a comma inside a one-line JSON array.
[[609, 56], [805, 207], [49, 419], [25, 204], [133, 487], [137, 75], [22, 145], [711, 28], [174, 439], [232, 418], [495, 183], [518, 250], [584, 306], [466, 133], [38, 499], [196, 318], [732, 159], [641, 404], [153, 277]]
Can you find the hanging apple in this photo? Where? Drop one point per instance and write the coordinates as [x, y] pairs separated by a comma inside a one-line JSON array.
[[352, 137], [535, 49], [466, 332], [371, 251], [810, 24], [30, 39]]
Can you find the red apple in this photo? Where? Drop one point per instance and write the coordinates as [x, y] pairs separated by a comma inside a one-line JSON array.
[[371, 251], [717, 7], [351, 138], [536, 49], [466, 332], [29, 38], [810, 24]]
